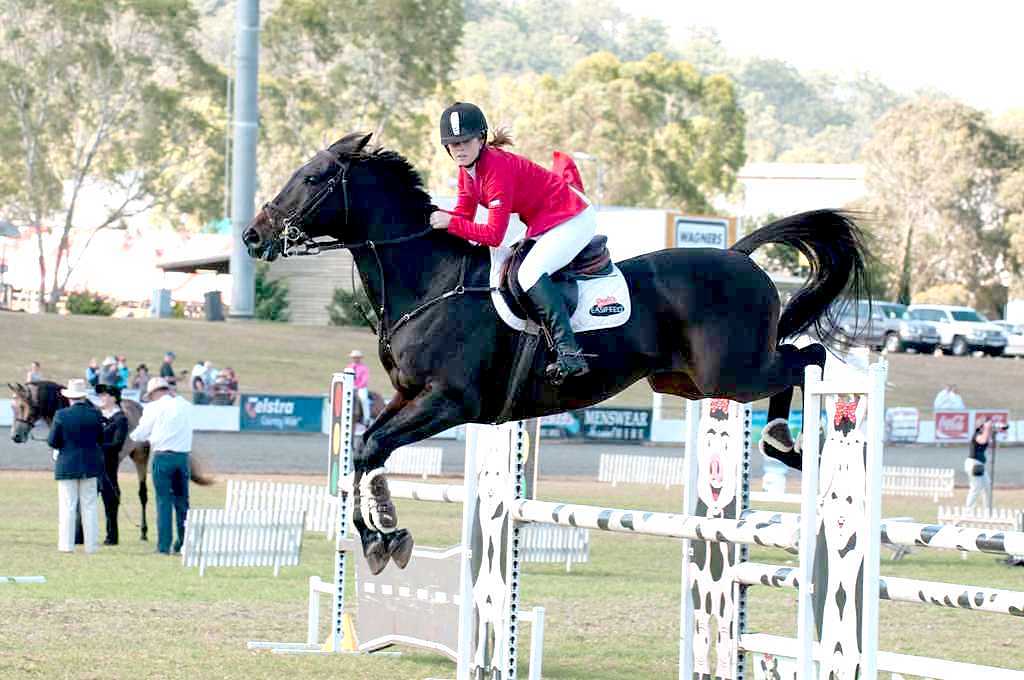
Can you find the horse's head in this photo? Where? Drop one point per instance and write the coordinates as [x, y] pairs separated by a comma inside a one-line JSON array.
[[344, 192], [25, 412]]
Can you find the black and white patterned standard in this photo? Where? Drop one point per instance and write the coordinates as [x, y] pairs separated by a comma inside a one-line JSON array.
[[722, 464], [495, 550], [842, 524]]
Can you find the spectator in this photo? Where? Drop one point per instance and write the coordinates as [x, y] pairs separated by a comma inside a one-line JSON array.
[[975, 464], [209, 373], [35, 373], [225, 388], [167, 424], [122, 373], [141, 377], [362, 383], [167, 369], [115, 431], [92, 372], [948, 398], [108, 371], [199, 395], [75, 436]]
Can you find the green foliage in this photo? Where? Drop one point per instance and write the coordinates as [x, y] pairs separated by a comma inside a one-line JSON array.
[[661, 133], [945, 294], [271, 295], [330, 67], [942, 184], [113, 93], [178, 310], [342, 308], [89, 304]]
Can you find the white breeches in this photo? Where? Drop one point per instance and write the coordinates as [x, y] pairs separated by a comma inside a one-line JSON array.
[[556, 248], [71, 492]]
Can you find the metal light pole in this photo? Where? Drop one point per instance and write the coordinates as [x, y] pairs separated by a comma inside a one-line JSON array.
[[243, 161]]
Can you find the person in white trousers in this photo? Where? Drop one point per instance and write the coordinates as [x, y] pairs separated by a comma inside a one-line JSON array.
[[75, 437]]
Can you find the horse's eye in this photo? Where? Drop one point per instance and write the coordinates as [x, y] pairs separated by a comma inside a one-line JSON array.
[[312, 179]]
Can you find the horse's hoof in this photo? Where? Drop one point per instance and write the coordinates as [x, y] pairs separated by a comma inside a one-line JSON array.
[[777, 435], [375, 550], [400, 545]]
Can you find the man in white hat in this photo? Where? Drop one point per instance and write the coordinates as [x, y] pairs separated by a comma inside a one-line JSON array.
[[75, 437], [362, 383], [167, 424]]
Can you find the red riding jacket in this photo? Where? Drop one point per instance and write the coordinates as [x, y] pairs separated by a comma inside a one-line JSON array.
[[507, 183]]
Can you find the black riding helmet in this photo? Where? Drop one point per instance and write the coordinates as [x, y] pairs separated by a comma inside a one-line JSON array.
[[462, 121]]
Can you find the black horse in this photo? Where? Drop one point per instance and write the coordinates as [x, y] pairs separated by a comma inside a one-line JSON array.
[[705, 322], [40, 400]]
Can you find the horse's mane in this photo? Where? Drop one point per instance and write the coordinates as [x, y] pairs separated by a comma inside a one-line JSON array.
[[48, 397], [394, 164]]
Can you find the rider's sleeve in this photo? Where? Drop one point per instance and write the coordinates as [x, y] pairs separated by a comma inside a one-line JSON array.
[[498, 214]]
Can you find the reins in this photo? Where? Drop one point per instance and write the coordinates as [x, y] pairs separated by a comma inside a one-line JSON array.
[[296, 242]]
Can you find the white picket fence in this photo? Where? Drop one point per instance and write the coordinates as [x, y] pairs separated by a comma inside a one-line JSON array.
[[918, 481], [665, 470], [320, 508], [415, 460], [554, 544], [242, 538]]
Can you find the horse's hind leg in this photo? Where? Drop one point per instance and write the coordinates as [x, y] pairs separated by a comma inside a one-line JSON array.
[[776, 439]]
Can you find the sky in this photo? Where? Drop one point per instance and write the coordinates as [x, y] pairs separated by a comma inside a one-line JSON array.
[[971, 49]]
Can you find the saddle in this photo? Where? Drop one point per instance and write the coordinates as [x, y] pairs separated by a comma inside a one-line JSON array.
[[593, 262]]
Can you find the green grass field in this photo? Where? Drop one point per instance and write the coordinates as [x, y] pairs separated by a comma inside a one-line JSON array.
[[127, 613], [292, 359]]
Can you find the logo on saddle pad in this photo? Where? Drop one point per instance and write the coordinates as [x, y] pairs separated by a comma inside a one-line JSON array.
[[607, 306]]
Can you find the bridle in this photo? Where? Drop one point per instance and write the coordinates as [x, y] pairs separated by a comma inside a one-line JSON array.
[[30, 422], [295, 241]]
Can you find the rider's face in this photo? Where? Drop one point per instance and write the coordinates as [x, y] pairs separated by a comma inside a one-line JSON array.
[[465, 153]]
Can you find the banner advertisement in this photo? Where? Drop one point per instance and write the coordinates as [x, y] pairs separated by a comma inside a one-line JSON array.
[[952, 426], [617, 424], [277, 413], [901, 425]]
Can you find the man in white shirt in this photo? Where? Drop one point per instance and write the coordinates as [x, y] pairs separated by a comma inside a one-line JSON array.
[[167, 424], [948, 398]]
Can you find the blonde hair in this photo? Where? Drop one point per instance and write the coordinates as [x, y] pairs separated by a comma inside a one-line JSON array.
[[500, 138]]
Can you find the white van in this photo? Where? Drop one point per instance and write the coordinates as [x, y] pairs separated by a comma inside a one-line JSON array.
[[962, 330]]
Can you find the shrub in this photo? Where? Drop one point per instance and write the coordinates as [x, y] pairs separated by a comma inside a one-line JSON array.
[[271, 295], [945, 294], [90, 304], [342, 308]]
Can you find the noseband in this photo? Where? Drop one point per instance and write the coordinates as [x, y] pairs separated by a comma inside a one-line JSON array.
[[293, 237]]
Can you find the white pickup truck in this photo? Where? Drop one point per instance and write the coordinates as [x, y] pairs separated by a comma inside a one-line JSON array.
[[962, 330]]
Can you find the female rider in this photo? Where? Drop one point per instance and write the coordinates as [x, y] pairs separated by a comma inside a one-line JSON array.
[[557, 216], [115, 431]]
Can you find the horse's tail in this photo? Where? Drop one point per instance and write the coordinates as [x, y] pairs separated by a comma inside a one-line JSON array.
[[198, 471], [834, 247]]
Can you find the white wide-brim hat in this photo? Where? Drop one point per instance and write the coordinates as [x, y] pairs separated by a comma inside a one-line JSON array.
[[155, 384], [77, 389], [355, 354]]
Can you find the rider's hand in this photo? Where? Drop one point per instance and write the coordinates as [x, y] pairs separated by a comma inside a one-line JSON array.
[[440, 219]]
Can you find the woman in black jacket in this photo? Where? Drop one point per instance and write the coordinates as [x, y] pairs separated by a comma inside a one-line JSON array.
[[115, 431]]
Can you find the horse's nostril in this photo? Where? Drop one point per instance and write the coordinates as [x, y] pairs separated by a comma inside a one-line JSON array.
[[251, 237]]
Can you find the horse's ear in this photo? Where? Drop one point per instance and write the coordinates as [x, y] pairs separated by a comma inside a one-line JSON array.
[[351, 143], [13, 388]]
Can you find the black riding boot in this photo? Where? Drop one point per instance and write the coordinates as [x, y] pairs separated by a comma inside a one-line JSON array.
[[550, 306]]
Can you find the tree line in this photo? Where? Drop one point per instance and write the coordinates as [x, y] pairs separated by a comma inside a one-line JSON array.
[[131, 95]]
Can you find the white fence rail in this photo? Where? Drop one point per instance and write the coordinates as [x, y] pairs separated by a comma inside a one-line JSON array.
[[242, 538], [1000, 519], [554, 544], [665, 470], [415, 460], [320, 508], [918, 481]]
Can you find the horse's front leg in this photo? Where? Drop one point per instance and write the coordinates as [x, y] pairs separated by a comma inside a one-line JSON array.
[[140, 456], [374, 514]]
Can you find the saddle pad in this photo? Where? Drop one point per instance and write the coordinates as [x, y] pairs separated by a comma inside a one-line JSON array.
[[604, 302]]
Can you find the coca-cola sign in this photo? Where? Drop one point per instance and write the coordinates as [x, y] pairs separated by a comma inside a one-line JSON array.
[[952, 426]]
